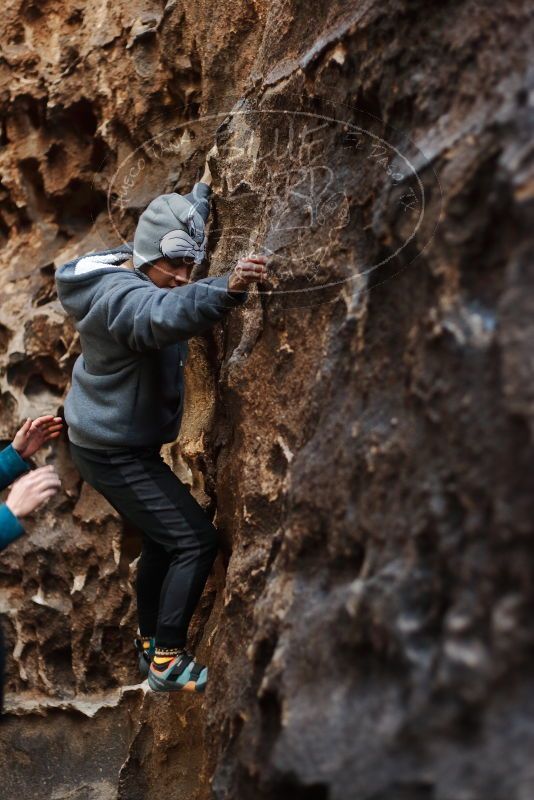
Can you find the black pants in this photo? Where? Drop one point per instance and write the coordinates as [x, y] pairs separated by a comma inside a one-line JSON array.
[[179, 541]]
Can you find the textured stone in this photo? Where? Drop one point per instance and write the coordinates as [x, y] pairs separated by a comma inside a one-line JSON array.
[[367, 447]]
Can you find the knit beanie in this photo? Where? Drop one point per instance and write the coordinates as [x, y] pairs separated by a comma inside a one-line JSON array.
[[172, 226]]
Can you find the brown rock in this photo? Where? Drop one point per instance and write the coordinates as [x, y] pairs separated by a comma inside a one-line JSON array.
[[362, 427]]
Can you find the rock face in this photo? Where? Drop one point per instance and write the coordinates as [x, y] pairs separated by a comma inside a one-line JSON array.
[[362, 428]]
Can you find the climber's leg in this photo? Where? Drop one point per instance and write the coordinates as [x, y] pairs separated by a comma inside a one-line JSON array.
[[151, 572], [193, 552], [138, 483]]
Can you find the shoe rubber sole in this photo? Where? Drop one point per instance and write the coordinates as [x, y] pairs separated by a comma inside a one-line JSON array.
[[158, 684]]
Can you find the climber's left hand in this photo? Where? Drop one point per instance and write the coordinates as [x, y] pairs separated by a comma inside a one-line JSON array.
[[34, 434], [207, 176]]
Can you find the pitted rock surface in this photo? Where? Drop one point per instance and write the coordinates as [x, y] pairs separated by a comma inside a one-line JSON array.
[[364, 436]]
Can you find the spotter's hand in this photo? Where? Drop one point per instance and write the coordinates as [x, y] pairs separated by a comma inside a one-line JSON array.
[[32, 490], [34, 434], [249, 269]]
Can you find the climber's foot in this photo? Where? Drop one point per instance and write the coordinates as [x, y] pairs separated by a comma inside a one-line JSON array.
[[145, 647], [179, 674]]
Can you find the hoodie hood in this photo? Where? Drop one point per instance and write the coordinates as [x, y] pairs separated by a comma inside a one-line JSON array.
[[79, 280]]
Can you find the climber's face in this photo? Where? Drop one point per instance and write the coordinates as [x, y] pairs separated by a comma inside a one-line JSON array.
[[170, 272]]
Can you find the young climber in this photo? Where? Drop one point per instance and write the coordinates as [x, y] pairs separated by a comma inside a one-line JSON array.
[[135, 308], [29, 492]]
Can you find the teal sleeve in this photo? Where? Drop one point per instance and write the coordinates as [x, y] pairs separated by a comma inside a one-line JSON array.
[[10, 527], [11, 466]]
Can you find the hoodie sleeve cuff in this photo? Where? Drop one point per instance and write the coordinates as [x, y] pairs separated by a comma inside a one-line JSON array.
[[10, 527], [223, 296], [15, 460], [201, 190], [11, 465], [237, 298]]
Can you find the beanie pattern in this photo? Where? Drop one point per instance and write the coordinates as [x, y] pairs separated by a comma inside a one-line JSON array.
[[172, 226], [177, 243]]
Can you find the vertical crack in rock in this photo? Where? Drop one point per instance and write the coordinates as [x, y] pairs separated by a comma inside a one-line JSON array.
[[366, 447]]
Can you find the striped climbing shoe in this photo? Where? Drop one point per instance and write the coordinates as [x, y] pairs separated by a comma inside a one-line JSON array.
[[182, 674], [144, 654]]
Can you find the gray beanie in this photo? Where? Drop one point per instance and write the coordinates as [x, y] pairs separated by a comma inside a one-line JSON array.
[[172, 225]]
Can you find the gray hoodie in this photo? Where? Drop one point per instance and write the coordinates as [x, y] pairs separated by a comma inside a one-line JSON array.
[[127, 385]]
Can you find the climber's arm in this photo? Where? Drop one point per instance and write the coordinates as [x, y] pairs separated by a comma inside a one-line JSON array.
[[144, 317], [200, 197], [206, 178], [201, 191]]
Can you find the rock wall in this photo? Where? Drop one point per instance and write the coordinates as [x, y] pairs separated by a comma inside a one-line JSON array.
[[362, 428]]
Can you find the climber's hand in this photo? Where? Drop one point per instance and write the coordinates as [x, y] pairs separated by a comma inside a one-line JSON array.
[[33, 489], [249, 269], [207, 176]]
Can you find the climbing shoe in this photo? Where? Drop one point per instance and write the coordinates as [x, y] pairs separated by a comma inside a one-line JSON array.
[[145, 653], [178, 674]]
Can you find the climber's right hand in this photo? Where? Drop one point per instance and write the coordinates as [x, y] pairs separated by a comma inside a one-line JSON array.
[[207, 176], [33, 489], [249, 269]]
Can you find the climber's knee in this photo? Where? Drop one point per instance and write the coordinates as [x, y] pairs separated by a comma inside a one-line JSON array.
[[202, 542]]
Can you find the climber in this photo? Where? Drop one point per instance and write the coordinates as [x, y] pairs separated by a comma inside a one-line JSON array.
[[29, 492], [135, 308]]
